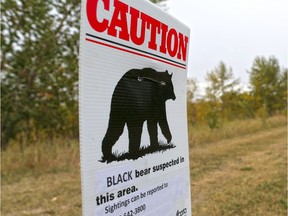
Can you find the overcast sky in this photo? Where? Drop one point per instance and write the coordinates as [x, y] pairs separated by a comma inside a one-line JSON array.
[[233, 31]]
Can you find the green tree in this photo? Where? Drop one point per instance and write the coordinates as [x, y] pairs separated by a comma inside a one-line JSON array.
[[213, 119], [39, 66], [220, 81], [268, 84], [39, 69], [282, 91], [221, 89]]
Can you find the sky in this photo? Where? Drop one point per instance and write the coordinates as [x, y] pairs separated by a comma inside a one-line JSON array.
[[232, 31]]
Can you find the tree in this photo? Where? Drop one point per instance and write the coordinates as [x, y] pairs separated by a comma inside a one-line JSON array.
[[191, 89], [220, 80], [221, 88], [282, 91], [39, 69], [266, 84], [191, 111], [39, 66]]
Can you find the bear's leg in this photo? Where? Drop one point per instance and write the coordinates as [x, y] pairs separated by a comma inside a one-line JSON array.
[[114, 131], [135, 132], [165, 130], [163, 123], [153, 133]]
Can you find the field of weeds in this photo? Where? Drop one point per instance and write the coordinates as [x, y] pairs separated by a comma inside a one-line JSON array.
[[239, 169]]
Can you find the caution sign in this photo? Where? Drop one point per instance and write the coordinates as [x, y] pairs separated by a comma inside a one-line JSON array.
[[132, 99]]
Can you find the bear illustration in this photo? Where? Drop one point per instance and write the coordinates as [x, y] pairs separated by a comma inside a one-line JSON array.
[[139, 96]]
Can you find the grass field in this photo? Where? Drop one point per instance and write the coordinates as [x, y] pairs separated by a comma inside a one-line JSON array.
[[244, 174], [239, 169]]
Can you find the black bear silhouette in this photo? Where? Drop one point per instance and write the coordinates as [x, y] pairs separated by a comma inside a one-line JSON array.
[[139, 96]]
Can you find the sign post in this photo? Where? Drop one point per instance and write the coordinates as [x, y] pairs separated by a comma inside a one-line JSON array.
[[132, 99]]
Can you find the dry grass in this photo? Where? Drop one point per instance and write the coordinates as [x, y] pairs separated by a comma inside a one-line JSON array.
[[39, 159], [41, 180], [239, 169], [46, 194], [241, 175], [203, 135]]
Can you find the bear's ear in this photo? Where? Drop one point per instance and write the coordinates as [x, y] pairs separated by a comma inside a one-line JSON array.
[[166, 72]]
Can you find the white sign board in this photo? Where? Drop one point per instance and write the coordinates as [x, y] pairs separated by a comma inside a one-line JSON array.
[[133, 128]]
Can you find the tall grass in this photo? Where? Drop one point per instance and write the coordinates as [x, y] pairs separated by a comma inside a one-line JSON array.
[[202, 134], [43, 157], [39, 158]]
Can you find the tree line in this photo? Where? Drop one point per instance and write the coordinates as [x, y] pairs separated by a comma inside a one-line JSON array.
[[39, 69], [39, 77], [225, 100]]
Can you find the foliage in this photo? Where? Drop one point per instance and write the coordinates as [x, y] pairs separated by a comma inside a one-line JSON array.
[[191, 89], [269, 84], [221, 80], [213, 119], [221, 88], [39, 68], [39, 77], [262, 113], [225, 101]]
